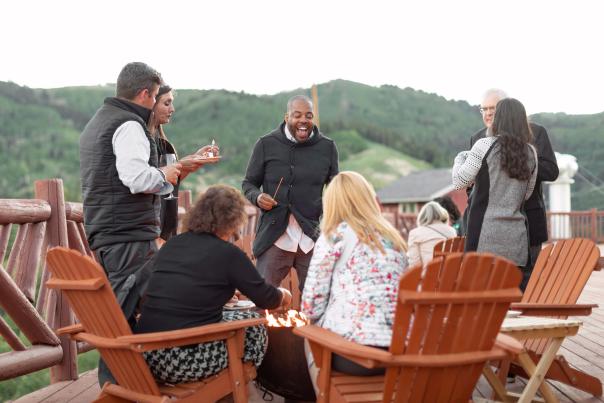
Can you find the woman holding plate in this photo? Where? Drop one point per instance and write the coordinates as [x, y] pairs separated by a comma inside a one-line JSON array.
[[161, 115]]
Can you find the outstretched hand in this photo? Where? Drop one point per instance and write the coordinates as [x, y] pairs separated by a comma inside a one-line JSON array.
[[286, 298], [192, 163]]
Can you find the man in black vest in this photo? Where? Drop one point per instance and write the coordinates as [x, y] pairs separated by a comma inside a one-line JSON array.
[[547, 170], [292, 164], [121, 183]]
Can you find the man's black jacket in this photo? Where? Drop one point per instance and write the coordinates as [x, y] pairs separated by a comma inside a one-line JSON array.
[[305, 167]]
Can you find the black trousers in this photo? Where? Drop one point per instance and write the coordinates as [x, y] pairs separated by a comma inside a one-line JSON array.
[[127, 266]]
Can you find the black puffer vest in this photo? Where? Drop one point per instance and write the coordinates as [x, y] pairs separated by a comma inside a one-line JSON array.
[[111, 213]]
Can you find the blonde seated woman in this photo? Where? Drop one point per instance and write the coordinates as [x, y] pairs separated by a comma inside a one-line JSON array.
[[432, 227], [352, 282]]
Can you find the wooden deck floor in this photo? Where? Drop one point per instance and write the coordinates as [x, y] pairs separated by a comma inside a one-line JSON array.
[[585, 351]]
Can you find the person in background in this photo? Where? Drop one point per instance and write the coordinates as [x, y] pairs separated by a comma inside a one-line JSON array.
[[454, 215], [432, 227], [193, 276], [161, 115], [352, 282], [292, 165], [503, 170], [547, 171]]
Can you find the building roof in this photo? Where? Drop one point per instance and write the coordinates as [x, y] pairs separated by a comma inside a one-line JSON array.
[[418, 186]]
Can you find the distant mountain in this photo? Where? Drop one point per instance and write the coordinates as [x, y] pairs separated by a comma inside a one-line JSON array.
[[381, 131]]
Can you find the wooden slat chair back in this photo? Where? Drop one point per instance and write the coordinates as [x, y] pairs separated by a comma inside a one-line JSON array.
[[450, 245], [560, 274], [95, 305], [103, 325], [445, 326], [247, 232]]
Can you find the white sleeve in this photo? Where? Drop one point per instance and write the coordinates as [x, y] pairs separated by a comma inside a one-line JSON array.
[[468, 163], [132, 151]]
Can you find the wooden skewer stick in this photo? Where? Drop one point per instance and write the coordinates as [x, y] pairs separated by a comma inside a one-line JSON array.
[[278, 186]]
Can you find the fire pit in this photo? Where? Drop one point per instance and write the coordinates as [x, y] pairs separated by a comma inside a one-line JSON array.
[[284, 369]]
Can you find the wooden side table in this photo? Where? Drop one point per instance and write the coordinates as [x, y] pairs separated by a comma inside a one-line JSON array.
[[530, 327]]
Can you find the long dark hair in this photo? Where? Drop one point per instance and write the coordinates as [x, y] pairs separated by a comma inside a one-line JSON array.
[[164, 89], [511, 126]]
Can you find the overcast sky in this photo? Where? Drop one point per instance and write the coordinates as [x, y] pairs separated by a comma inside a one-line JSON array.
[[548, 54]]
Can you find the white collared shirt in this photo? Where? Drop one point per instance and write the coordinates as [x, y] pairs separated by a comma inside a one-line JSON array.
[[132, 151], [294, 237]]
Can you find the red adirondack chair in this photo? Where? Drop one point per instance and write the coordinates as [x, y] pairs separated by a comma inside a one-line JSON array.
[[559, 276], [104, 326], [445, 327]]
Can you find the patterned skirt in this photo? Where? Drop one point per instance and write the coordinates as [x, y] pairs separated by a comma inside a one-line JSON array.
[[192, 363]]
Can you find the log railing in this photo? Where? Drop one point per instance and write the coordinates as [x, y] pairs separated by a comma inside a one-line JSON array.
[[28, 228], [40, 224], [404, 222]]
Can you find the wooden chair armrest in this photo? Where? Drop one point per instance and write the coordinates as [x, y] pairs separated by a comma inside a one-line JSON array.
[[69, 330], [173, 338], [508, 344], [531, 309], [182, 337], [371, 357]]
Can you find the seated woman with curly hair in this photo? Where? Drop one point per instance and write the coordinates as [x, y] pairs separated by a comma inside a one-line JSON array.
[[194, 274]]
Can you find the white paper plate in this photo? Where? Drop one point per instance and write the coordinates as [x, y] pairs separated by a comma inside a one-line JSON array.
[[240, 305], [513, 314]]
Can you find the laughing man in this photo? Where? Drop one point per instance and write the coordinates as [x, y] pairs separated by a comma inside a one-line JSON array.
[[291, 164]]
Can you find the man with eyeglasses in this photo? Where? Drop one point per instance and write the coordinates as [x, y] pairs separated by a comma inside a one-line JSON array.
[[534, 207]]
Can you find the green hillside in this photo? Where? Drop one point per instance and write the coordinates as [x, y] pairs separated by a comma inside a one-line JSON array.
[[381, 131]]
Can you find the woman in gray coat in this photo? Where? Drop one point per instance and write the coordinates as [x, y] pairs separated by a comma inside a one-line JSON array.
[[503, 169]]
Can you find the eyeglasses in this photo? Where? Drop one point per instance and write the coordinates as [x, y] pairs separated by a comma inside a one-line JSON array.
[[487, 109]]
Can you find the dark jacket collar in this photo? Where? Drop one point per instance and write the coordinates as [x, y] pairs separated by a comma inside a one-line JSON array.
[[121, 103], [317, 135]]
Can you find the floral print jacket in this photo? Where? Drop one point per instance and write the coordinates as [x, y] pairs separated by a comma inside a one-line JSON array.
[[351, 289]]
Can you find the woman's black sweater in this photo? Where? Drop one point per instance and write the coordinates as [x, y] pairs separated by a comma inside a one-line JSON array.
[[193, 276]]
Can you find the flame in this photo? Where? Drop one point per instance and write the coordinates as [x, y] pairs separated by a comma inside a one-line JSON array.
[[293, 318]]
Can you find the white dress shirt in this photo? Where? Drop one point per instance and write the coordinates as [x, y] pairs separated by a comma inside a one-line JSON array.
[[294, 237], [132, 151]]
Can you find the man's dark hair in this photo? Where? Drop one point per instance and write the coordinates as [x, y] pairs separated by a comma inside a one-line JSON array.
[[447, 203], [290, 102], [135, 77], [219, 210], [511, 126]]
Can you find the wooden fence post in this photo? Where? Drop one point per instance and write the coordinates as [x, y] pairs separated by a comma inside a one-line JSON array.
[[594, 225], [59, 313]]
